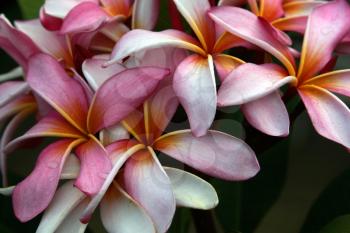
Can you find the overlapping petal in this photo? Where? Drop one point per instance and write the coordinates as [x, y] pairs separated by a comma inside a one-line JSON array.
[[85, 17], [94, 167], [256, 30], [139, 40], [147, 183], [16, 43], [11, 89], [224, 64], [194, 85], [121, 95], [61, 8], [249, 82], [48, 78], [65, 200], [217, 154], [117, 204], [33, 195], [326, 27], [195, 13]]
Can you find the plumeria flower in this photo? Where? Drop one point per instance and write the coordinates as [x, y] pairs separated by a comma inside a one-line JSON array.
[[77, 121], [221, 155], [327, 26], [194, 79]]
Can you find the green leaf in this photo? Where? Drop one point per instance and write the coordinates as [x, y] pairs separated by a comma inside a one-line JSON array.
[[30, 8], [338, 225], [334, 201]]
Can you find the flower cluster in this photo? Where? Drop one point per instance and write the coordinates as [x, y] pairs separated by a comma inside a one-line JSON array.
[[106, 85]]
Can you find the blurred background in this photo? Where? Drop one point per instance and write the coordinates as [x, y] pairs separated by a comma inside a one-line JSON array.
[[304, 183]]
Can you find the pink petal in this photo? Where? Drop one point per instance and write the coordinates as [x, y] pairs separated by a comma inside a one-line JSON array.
[[121, 151], [194, 85], [336, 81], [271, 9], [15, 43], [231, 2], [145, 14], [51, 23], [147, 183], [33, 195], [51, 82], [268, 114], [61, 8], [249, 82], [94, 167], [48, 41], [292, 24], [96, 74], [85, 17], [195, 13], [52, 125], [327, 25], [217, 154], [121, 95], [225, 64], [11, 89], [255, 30], [329, 115], [139, 40], [117, 204], [119, 7]]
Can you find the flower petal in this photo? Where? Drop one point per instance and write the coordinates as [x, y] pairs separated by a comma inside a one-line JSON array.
[[194, 84], [121, 152], [231, 2], [292, 24], [33, 195], [94, 167], [145, 14], [6, 137], [249, 82], [329, 115], [139, 40], [195, 13], [147, 183], [85, 17], [15, 43], [61, 8], [217, 154], [191, 191], [268, 114], [48, 41], [271, 9], [113, 134], [96, 74], [255, 30], [336, 81], [122, 94], [327, 25], [16, 105], [300, 7], [12, 74], [49, 22], [225, 64], [52, 125], [117, 204], [11, 89], [7, 191], [51, 82], [65, 200]]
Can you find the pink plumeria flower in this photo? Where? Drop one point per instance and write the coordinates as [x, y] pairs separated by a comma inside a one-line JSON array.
[[194, 79], [76, 121], [257, 84]]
